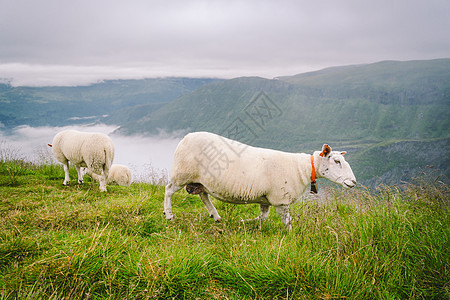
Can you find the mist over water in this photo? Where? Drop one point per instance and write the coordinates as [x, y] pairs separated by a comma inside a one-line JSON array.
[[149, 158]]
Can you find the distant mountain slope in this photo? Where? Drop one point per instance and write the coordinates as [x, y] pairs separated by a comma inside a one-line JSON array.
[[377, 101], [209, 107], [353, 108], [412, 82], [397, 161], [56, 106]]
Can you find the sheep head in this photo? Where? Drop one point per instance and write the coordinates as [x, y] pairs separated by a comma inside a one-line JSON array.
[[333, 166]]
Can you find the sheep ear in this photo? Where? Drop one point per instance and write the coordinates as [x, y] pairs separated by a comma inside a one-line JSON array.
[[325, 150], [343, 152]]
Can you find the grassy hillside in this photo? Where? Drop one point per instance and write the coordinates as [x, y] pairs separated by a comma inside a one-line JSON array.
[[74, 242], [54, 106]]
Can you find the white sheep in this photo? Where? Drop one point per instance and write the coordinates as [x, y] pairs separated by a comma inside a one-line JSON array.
[[118, 174], [208, 164], [91, 150]]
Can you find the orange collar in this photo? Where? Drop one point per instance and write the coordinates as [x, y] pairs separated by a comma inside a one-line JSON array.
[[313, 171], [313, 176]]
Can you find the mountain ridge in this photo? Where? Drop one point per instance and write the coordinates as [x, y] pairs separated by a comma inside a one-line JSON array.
[[227, 99], [373, 111], [414, 108]]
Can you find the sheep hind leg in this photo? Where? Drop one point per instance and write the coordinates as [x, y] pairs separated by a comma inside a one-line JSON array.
[[103, 177], [97, 173], [209, 206], [102, 182], [170, 190], [80, 173], [66, 173]]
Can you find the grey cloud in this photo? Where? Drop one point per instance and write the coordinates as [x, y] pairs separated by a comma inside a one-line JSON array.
[[215, 38]]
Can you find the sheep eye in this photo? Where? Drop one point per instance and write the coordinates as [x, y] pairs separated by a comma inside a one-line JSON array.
[[337, 161]]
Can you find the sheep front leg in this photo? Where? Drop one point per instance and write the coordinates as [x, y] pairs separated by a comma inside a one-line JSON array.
[[66, 173], [264, 213], [283, 211], [210, 207], [170, 190]]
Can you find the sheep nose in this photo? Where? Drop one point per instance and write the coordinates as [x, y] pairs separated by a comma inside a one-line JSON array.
[[349, 183]]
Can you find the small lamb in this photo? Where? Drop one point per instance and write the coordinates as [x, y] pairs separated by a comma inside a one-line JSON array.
[[118, 174]]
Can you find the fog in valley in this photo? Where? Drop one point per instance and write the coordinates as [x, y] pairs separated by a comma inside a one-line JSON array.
[[149, 158]]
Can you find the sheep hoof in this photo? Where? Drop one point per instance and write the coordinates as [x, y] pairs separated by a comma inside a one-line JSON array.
[[80, 181], [168, 215]]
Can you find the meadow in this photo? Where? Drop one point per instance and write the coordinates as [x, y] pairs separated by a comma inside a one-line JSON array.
[[74, 242]]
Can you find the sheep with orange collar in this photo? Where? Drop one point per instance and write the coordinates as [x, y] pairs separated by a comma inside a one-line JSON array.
[[209, 164], [92, 150]]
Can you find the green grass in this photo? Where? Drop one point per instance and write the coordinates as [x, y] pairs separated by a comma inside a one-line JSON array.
[[73, 242]]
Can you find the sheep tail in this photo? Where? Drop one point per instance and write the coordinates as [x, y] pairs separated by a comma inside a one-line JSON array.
[[109, 155]]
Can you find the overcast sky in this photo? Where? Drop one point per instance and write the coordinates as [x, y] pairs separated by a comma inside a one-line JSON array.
[[67, 42]]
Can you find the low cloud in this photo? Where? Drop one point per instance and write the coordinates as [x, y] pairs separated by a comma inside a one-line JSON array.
[[149, 158]]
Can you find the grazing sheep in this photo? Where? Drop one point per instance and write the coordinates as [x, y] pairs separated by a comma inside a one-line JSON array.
[[208, 164], [118, 174], [91, 150]]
